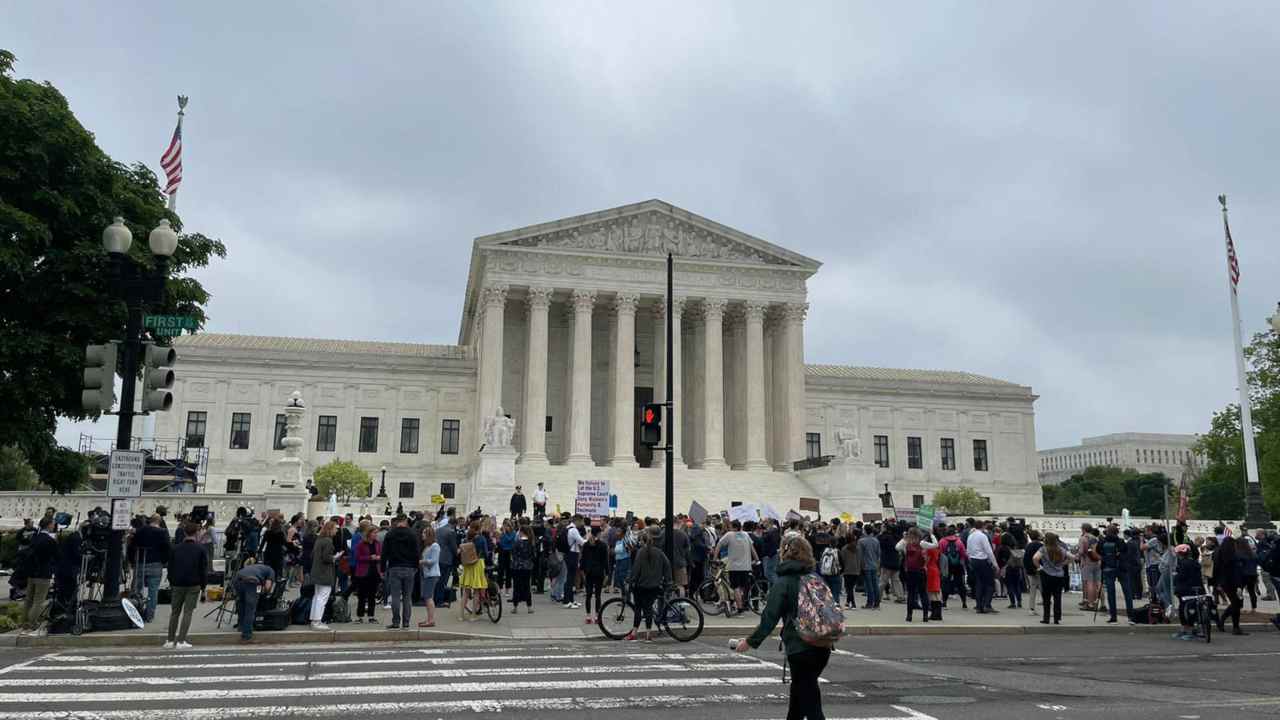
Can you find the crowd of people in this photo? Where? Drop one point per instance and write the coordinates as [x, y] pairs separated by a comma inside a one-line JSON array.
[[442, 559]]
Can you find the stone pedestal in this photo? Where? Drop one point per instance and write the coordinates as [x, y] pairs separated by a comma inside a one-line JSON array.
[[495, 469], [849, 484]]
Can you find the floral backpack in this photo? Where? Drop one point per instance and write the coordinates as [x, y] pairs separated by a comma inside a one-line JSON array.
[[819, 620]]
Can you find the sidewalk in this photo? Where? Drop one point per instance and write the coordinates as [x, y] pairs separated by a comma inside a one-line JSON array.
[[550, 621]]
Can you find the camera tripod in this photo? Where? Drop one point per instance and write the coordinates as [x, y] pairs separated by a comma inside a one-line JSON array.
[[233, 562]]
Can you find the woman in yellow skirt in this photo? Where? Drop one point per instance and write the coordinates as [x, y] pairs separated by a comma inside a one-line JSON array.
[[474, 581]]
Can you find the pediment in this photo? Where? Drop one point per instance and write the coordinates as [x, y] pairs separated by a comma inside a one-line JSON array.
[[652, 229]]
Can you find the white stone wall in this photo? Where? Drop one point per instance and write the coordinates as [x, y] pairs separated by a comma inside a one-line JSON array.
[[1144, 452]]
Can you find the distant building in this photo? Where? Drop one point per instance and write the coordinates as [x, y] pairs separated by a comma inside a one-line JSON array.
[[1144, 452]]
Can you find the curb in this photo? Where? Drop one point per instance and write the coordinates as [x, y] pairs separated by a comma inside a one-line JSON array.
[[304, 637]]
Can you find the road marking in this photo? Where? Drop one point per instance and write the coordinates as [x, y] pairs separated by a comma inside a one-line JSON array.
[[244, 693], [391, 674], [23, 665], [365, 660]]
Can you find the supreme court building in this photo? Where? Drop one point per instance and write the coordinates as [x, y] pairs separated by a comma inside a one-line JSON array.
[[563, 332]]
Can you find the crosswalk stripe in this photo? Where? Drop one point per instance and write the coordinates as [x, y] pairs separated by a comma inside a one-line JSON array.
[[407, 673], [363, 660], [244, 693], [85, 655], [521, 706]]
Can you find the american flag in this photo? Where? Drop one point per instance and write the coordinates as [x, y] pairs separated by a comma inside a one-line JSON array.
[[1233, 265], [171, 161], [1184, 511]]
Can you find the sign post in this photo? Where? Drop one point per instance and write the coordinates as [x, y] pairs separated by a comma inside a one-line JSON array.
[[169, 325]]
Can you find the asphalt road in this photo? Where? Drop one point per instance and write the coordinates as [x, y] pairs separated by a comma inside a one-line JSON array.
[[1072, 676]]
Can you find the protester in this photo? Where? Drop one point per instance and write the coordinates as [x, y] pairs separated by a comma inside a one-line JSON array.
[[430, 574], [368, 573], [795, 560], [252, 579], [150, 553], [650, 571], [851, 566], [523, 553], [741, 556], [1090, 567], [474, 581], [912, 547], [869, 549], [595, 564], [954, 558], [982, 565], [1187, 583], [1051, 562], [1029, 567], [400, 559], [1112, 552], [890, 564], [573, 542], [323, 572]]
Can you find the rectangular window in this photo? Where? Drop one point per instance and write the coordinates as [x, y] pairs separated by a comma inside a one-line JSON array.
[[882, 450], [235, 486], [548, 425], [327, 433], [917, 501], [948, 454], [986, 503], [278, 442], [406, 490], [368, 434], [915, 453], [980, 456], [240, 431], [813, 445], [449, 432], [409, 435], [197, 422]]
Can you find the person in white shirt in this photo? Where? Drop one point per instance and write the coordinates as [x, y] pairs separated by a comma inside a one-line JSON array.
[[574, 540], [740, 559], [982, 563], [539, 502]]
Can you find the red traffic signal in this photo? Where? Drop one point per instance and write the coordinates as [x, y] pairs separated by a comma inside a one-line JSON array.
[[651, 424]]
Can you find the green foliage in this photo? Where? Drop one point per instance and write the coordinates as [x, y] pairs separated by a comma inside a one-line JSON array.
[[58, 190], [343, 478], [15, 472], [1220, 490], [1104, 490], [10, 616], [959, 502]]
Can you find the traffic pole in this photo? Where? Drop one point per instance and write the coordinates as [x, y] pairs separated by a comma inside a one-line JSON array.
[[669, 544]]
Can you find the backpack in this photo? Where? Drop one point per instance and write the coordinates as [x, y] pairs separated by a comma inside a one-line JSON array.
[[340, 611], [953, 555], [562, 540], [819, 620], [467, 553], [1112, 552], [554, 566], [830, 564], [913, 560]]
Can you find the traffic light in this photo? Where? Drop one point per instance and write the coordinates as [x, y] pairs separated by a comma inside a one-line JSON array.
[[651, 424], [157, 378], [99, 394]]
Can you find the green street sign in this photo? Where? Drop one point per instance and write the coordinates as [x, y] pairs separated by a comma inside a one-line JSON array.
[[168, 325]]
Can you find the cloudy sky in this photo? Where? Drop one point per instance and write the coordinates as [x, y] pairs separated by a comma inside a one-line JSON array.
[[1016, 189]]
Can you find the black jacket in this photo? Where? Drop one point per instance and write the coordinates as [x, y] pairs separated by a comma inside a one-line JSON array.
[[517, 504], [152, 541], [187, 566], [400, 548], [595, 558], [44, 553], [69, 555]]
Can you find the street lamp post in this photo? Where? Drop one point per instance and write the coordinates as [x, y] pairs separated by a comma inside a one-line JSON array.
[[137, 287], [382, 488]]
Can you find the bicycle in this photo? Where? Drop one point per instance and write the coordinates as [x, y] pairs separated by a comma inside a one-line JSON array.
[[716, 596], [492, 600], [678, 617], [1203, 613]]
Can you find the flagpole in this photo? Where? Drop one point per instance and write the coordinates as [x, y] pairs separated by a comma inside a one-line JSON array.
[[182, 106], [1255, 514]]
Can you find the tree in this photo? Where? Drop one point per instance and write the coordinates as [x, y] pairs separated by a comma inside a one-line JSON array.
[[343, 478], [959, 501], [1098, 490], [1223, 479], [58, 190], [15, 472]]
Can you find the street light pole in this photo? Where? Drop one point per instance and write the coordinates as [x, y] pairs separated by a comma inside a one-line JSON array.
[[669, 543], [382, 488]]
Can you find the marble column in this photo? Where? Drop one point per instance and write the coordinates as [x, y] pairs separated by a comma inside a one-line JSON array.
[[753, 360], [493, 304], [584, 302], [713, 384], [795, 313], [677, 417], [624, 381], [533, 428], [781, 391]]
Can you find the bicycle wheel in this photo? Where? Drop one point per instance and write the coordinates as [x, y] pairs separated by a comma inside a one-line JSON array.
[[759, 595], [682, 619], [709, 598], [614, 618]]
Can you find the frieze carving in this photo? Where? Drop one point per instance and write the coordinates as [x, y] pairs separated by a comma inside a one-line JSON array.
[[651, 233], [643, 270]]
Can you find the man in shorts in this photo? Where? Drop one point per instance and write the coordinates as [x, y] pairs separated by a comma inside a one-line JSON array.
[[740, 559], [1090, 567]]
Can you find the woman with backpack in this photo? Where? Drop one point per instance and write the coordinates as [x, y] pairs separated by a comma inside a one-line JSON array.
[[1051, 562], [523, 551], [1010, 557], [912, 548], [851, 565], [474, 581], [807, 660], [1029, 568]]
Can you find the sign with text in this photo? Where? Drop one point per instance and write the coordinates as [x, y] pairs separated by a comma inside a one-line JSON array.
[[809, 505], [169, 325], [437, 499], [696, 512], [121, 513], [924, 517], [768, 512], [124, 473], [592, 498], [743, 513]]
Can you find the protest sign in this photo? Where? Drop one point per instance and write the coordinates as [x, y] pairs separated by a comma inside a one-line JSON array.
[[696, 512], [809, 504], [924, 517], [592, 498], [768, 512], [743, 513]]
